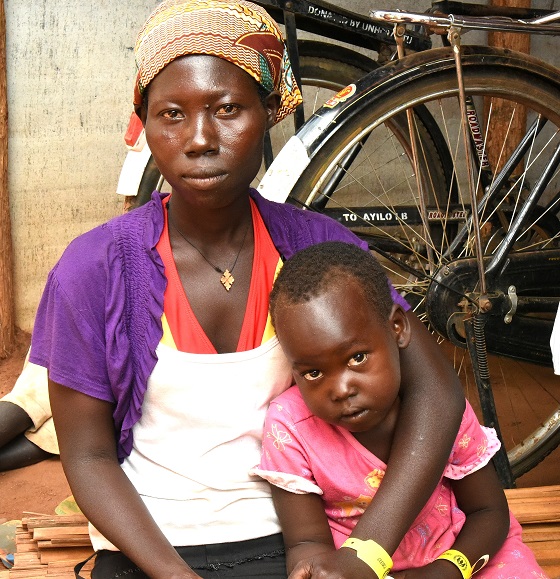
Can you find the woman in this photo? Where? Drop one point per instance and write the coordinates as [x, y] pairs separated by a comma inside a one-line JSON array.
[[155, 333]]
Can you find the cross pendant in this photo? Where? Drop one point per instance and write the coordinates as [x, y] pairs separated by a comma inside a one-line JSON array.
[[227, 279]]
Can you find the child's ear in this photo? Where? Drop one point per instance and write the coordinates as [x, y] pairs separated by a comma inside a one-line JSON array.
[[400, 326]]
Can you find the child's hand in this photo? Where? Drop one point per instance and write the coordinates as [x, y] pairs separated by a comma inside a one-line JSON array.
[[341, 564]]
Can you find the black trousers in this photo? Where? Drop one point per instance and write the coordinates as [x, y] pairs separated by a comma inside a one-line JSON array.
[[263, 557]]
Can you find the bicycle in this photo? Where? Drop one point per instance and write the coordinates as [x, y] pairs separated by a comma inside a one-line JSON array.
[[398, 237], [484, 280]]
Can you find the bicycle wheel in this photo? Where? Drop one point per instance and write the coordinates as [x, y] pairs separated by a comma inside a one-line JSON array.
[[411, 225], [324, 68]]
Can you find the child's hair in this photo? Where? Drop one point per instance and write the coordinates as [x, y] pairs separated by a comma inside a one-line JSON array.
[[310, 272]]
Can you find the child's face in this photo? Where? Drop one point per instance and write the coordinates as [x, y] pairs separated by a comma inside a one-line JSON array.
[[346, 362], [205, 124]]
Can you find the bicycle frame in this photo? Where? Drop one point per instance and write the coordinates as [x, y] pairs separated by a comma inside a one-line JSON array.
[[337, 23], [481, 302], [454, 26]]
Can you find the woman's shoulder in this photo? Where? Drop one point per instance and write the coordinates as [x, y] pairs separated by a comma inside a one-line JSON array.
[[130, 233], [293, 228]]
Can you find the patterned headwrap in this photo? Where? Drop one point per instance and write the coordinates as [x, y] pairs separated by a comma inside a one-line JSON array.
[[239, 31]]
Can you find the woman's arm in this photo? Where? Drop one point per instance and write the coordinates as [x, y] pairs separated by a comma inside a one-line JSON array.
[[86, 434], [432, 405]]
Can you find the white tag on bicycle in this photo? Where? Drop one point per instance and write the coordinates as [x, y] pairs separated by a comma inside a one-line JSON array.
[[285, 170]]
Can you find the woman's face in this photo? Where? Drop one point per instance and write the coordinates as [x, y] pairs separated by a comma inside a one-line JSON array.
[[205, 124]]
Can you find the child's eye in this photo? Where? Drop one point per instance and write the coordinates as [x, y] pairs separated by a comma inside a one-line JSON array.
[[357, 359], [312, 375]]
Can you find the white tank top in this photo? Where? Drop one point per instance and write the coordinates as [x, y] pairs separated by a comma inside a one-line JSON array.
[[199, 434]]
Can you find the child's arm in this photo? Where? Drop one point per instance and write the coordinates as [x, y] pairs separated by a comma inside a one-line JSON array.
[[307, 536], [305, 527], [480, 496]]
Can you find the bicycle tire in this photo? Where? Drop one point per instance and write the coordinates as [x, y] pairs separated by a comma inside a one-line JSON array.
[[325, 69], [429, 79]]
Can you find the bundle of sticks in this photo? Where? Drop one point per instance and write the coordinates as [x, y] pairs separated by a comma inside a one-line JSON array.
[[538, 511], [50, 546]]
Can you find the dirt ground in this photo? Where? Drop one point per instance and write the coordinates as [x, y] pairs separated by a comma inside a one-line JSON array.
[[38, 488]]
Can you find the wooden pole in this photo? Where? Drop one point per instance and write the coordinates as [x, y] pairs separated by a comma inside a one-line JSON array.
[[502, 110], [7, 326]]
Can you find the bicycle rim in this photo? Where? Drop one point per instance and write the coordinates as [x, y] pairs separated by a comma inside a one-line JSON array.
[[412, 239]]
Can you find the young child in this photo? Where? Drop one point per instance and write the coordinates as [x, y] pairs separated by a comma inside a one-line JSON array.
[[327, 440]]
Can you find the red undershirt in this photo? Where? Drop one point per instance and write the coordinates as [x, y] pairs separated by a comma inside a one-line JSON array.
[[186, 331]]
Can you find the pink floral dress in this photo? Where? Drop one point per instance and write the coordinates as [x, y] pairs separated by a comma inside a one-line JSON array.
[[303, 454]]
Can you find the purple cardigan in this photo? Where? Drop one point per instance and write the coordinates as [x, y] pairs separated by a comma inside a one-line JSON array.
[[99, 319]]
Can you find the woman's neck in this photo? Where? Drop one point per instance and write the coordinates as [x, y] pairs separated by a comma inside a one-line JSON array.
[[210, 225]]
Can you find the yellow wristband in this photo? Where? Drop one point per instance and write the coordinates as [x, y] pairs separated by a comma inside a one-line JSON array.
[[459, 560], [372, 554]]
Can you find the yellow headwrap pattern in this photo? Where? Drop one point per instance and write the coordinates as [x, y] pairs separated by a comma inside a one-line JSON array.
[[241, 32]]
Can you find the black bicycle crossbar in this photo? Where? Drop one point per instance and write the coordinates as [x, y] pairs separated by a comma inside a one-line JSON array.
[[339, 24]]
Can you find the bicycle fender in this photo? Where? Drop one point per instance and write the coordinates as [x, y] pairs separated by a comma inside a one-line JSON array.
[[285, 170], [390, 77]]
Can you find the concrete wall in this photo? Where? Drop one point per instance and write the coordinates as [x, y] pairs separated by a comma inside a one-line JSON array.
[[70, 75]]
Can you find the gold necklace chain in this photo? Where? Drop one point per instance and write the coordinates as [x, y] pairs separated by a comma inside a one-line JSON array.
[[226, 278]]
